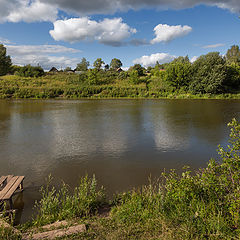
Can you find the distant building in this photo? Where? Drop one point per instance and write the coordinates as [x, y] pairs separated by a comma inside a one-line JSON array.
[[79, 72], [119, 70], [53, 70]]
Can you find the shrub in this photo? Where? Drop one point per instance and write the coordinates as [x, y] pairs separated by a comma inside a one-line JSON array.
[[30, 71]]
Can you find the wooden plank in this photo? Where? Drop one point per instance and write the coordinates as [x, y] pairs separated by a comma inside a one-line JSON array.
[[2, 179], [9, 177], [7, 187], [13, 188]]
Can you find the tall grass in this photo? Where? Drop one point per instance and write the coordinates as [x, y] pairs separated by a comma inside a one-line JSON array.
[[76, 86], [62, 204]]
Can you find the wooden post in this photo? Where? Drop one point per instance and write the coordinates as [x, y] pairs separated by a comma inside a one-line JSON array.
[[21, 186], [11, 203]]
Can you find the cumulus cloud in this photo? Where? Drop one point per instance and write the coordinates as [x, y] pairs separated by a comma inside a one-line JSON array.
[[214, 45], [45, 10], [109, 31], [39, 55], [193, 59], [151, 60], [27, 11], [166, 33]]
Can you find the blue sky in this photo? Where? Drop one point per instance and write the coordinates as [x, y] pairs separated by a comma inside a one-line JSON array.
[[61, 32]]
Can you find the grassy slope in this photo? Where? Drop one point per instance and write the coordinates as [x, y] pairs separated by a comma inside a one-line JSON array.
[[70, 86]]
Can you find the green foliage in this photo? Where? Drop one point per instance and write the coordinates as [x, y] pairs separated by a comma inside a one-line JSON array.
[[7, 232], [233, 55], [178, 74], [30, 71], [232, 82], [83, 65], [115, 64], [137, 67], [5, 61], [93, 77], [98, 63], [134, 77], [61, 204], [209, 74], [67, 69]]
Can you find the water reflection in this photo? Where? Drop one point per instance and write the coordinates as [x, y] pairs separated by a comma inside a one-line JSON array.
[[121, 141]]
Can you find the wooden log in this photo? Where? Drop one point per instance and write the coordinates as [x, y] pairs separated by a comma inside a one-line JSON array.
[[56, 233]]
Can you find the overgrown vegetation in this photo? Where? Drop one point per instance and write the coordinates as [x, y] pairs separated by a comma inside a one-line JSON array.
[[61, 204], [191, 205], [210, 76]]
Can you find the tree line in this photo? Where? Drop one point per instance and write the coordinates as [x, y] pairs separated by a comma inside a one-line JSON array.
[[211, 73]]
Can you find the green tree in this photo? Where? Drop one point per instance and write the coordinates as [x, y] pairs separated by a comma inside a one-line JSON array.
[[134, 77], [115, 64], [137, 67], [98, 63], [93, 77], [83, 65], [30, 71], [67, 69], [233, 55], [209, 74], [233, 77], [178, 73], [5, 61]]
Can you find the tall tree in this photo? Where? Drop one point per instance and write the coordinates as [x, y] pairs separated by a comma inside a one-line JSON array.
[[209, 74], [5, 61], [178, 73], [83, 65], [233, 55], [98, 63], [137, 67], [115, 64]]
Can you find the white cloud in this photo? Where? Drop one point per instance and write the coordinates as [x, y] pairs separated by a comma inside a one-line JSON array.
[[166, 33], [151, 60], [193, 59], [38, 55], [38, 49], [4, 41], [109, 31], [45, 10], [27, 11], [214, 45]]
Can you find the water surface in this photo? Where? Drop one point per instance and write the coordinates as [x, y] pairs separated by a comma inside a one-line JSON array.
[[122, 142]]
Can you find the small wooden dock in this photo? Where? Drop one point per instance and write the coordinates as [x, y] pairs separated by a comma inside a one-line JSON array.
[[9, 185]]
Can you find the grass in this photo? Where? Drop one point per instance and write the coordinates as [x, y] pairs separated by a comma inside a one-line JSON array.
[[192, 205], [74, 87]]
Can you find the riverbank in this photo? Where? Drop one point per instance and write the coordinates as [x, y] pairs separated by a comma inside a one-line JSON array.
[[71, 86], [200, 205]]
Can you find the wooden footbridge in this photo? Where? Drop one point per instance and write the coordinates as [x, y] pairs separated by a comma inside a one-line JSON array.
[[9, 185]]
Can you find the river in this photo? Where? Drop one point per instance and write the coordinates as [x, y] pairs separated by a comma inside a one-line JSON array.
[[122, 142]]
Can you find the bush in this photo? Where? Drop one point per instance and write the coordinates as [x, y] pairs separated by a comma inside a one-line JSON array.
[[30, 71]]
